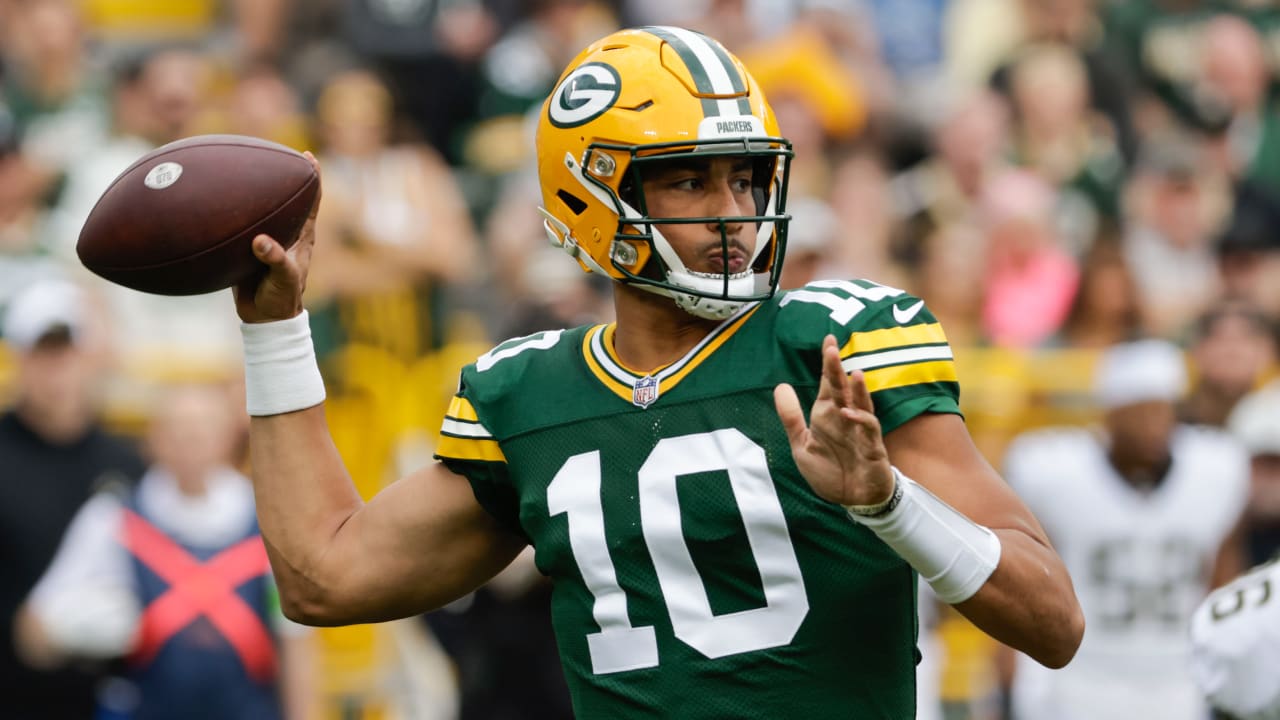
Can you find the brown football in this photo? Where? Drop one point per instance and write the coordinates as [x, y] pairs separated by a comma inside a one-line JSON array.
[[181, 220]]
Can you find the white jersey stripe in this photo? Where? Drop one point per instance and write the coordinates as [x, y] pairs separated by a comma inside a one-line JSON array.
[[464, 429], [899, 356]]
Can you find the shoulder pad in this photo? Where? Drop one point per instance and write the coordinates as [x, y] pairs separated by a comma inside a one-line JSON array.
[[844, 308], [509, 363]]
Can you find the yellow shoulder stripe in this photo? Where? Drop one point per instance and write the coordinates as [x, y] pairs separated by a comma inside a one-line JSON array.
[[459, 448], [460, 408], [872, 340], [901, 375]]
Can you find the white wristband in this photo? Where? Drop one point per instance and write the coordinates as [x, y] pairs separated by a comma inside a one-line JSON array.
[[280, 370], [951, 552]]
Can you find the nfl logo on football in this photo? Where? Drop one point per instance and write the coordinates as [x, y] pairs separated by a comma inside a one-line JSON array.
[[645, 391]]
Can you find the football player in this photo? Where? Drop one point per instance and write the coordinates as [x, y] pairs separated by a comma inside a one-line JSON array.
[[734, 490], [1235, 645], [1141, 509]]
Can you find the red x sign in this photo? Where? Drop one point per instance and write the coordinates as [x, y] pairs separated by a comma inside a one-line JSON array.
[[201, 590]]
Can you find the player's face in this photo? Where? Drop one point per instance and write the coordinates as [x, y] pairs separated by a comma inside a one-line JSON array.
[[1142, 430], [709, 187], [55, 378], [1264, 499]]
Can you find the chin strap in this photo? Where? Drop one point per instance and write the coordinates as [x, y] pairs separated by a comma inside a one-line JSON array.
[[707, 308]]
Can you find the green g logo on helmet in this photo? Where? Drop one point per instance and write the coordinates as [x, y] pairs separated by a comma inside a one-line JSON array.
[[586, 93]]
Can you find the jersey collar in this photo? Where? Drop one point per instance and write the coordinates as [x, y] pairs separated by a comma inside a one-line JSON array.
[[602, 360]]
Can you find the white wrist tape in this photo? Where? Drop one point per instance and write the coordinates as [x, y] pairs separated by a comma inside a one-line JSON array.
[[951, 552], [280, 370]]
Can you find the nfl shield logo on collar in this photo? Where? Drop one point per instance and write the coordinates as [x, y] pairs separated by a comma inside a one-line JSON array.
[[645, 391]]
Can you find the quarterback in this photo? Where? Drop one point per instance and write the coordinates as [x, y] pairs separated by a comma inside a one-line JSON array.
[[734, 490]]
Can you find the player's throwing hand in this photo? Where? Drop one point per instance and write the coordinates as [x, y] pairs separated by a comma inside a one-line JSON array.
[[277, 294], [840, 452]]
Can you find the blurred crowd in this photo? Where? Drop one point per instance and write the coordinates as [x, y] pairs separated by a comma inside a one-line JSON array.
[[1053, 177]]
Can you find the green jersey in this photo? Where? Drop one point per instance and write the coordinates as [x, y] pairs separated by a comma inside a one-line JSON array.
[[696, 574]]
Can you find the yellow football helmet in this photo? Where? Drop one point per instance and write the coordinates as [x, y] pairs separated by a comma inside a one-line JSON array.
[[644, 95]]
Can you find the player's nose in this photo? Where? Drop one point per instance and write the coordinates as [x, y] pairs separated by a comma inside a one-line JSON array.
[[723, 202]]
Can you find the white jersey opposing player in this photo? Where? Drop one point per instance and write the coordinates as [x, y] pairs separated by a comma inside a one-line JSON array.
[[1235, 640], [1235, 633], [1138, 511]]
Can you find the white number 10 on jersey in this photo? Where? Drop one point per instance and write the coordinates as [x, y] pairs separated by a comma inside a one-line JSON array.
[[619, 646]]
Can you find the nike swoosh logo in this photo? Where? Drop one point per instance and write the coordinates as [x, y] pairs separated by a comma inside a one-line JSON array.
[[905, 316]]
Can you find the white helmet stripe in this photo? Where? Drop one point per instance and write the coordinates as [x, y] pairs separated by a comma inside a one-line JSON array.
[[721, 84], [705, 60]]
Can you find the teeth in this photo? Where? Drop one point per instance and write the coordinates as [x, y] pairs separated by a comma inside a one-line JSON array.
[[720, 276]]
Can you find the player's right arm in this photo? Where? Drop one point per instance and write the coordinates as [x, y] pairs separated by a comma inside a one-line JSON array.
[[417, 545]]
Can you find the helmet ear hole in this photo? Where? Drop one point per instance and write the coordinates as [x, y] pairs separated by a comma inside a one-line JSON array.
[[575, 204]]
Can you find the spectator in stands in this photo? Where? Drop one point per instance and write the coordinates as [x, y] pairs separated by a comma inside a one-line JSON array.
[[946, 188], [1235, 79], [160, 96], [1107, 308], [1248, 251], [22, 257], [1030, 278], [1073, 25], [55, 453], [1157, 44], [427, 51], [395, 223], [57, 96], [861, 199], [948, 262], [521, 67], [173, 577], [1233, 347], [265, 105], [1140, 510], [1175, 205], [1056, 134], [815, 94], [259, 28], [1255, 422]]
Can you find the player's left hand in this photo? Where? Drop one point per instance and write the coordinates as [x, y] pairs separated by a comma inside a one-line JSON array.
[[841, 451]]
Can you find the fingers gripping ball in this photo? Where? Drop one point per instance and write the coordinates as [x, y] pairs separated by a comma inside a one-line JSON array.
[[181, 220]]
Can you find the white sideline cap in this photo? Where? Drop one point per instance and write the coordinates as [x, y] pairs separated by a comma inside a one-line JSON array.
[[1140, 371], [42, 308]]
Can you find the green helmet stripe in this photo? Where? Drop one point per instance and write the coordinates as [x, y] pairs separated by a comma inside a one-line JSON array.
[[709, 65], [739, 85]]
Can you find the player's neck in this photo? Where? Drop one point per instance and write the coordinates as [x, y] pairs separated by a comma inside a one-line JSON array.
[[1143, 474], [651, 331]]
